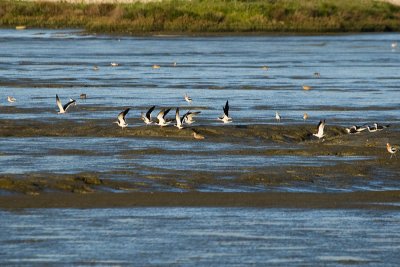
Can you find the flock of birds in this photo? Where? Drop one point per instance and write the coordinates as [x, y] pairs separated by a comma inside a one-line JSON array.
[[188, 118]]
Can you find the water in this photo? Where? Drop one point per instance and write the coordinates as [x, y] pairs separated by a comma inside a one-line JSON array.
[[358, 84], [199, 236]]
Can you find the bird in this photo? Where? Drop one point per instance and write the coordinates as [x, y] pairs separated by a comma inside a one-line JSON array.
[[277, 117], [95, 67], [155, 66], [306, 87], [265, 67], [197, 136], [146, 117], [188, 98], [179, 120], [394, 45], [392, 149], [161, 117], [11, 99], [355, 129], [121, 118], [188, 117], [114, 64], [63, 109], [317, 74], [320, 127], [381, 127], [305, 116], [174, 64], [83, 96], [225, 117]]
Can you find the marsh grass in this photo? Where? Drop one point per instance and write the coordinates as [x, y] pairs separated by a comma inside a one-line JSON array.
[[213, 16]]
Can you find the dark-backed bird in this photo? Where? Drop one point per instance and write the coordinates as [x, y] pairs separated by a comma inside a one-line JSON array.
[[225, 117], [321, 126], [63, 109], [121, 118], [161, 117], [146, 117]]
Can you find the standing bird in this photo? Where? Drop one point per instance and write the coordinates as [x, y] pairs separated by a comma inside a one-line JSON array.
[[225, 118], [320, 133], [179, 121], [188, 98], [63, 109], [147, 117], [161, 117], [392, 149], [121, 118], [277, 116], [197, 135], [305, 116]]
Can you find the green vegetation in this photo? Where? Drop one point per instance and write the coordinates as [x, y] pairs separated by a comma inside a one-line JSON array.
[[206, 16]]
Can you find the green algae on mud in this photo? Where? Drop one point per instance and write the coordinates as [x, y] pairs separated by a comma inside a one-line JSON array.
[[209, 16]]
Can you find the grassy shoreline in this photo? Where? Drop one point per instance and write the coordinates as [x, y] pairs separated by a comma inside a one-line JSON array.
[[207, 16]]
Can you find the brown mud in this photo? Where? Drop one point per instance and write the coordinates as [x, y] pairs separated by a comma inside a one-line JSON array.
[[363, 159]]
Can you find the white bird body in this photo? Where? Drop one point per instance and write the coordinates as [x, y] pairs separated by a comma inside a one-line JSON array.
[[394, 45], [146, 117], [11, 99], [225, 117], [355, 129], [320, 133], [161, 117], [121, 118], [277, 116], [114, 64], [179, 121], [305, 116], [188, 98], [189, 117], [392, 149], [63, 109]]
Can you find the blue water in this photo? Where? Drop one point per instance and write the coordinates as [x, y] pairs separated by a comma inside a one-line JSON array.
[[200, 237]]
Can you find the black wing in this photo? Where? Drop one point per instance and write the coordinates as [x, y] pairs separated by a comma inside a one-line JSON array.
[[166, 112], [148, 113], [66, 106], [226, 109]]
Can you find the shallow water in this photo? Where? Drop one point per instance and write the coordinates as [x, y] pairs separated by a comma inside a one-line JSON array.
[[358, 84], [199, 236]]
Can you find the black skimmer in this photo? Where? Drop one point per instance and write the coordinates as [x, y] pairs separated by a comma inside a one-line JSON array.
[[225, 118], [121, 118], [355, 129], [161, 117], [188, 98], [147, 117], [63, 109], [305, 116], [188, 117], [320, 133], [277, 117], [381, 127], [392, 149], [11, 99], [179, 121], [197, 136]]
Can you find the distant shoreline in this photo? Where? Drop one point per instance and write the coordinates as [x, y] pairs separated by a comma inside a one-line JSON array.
[[144, 17]]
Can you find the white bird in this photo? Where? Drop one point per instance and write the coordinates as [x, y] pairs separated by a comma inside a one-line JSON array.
[[355, 129], [11, 99], [161, 117], [147, 117], [392, 149], [188, 98], [394, 45], [114, 64], [277, 116], [188, 117], [121, 118], [225, 117], [320, 132], [63, 109], [179, 121]]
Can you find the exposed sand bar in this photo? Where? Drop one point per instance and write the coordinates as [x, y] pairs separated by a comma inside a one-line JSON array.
[[368, 200]]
